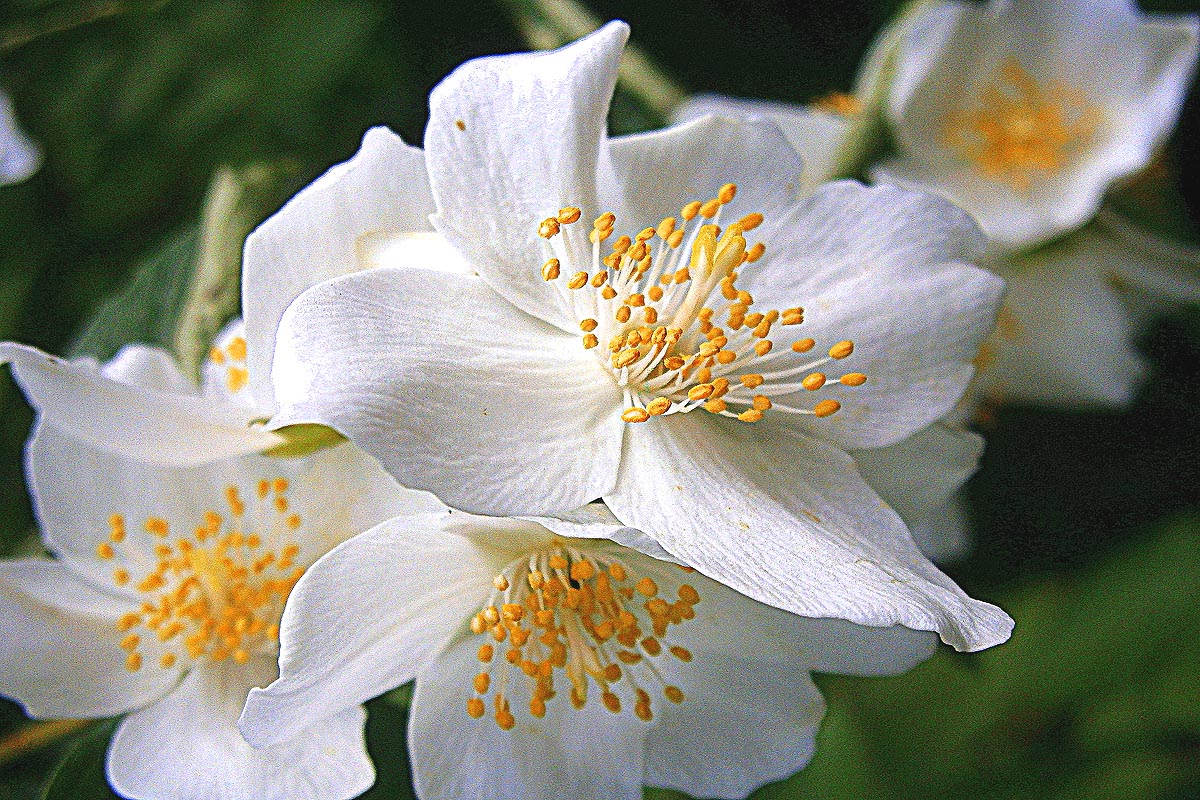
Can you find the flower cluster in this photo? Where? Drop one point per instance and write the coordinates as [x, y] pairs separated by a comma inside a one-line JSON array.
[[633, 433], [1025, 113]]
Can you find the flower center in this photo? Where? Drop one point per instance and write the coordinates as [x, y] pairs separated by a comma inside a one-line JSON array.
[[233, 358], [560, 611], [683, 336], [217, 594], [1020, 131]]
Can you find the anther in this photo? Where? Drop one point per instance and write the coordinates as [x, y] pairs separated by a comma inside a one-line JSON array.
[[853, 379], [549, 228], [568, 215], [813, 381], [658, 406], [750, 415], [635, 415], [826, 408], [842, 349], [550, 270], [588, 325], [578, 280], [803, 346]]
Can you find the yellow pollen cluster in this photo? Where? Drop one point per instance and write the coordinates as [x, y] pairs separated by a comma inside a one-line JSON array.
[[680, 335], [216, 594], [233, 358], [840, 103], [1021, 132], [563, 612]]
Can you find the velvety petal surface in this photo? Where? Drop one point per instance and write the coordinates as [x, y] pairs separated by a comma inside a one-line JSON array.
[[453, 389], [512, 139], [367, 617], [653, 175], [789, 522], [876, 267], [187, 747], [331, 228], [816, 135], [584, 754]]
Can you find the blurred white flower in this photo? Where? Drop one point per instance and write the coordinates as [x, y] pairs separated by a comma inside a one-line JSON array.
[[159, 417], [19, 156], [644, 373], [1023, 112], [164, 598], [549, 665]]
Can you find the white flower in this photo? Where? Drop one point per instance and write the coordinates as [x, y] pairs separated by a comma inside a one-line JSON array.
[[19, 157], [143, 408], [1024, 111], [510, 392], [817, 132], [548, 665], [1070, 317], [164, 599]]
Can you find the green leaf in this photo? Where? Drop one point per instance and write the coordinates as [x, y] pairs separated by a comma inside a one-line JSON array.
[[146, 309], [182, 294], [80, 773], [387, 742]]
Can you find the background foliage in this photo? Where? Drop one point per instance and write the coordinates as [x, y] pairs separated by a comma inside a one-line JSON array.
[[1088, 524]]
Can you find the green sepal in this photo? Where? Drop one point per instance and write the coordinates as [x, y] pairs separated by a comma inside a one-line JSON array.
[[304, 439]]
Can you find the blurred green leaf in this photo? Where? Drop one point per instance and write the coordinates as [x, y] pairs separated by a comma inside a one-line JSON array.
[[147, 308], [80, 774], [181, 295], [387, 742]]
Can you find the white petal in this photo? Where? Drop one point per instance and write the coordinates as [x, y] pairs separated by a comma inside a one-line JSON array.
[[917, 476], [596, 521], [325, 231], [159, 426], [816, 135], [187, 747], [59, 646], [19, 156], [787, 521], [729, 625], [1065, 338], [740, 726], [76, 488], [847, 230], [224, 376], [585, 754], [146, 368], [366, 617], [424, 250], [1133, 71], [511, 140], [655, 174], [452, 389]]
